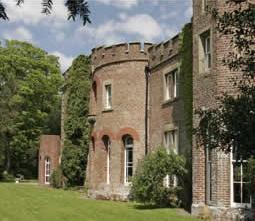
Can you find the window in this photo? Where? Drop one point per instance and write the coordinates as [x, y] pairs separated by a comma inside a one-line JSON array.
[[170, 142], [208, 162], [108, 96], [107, 144], [47, 170], [170, 85], [240, 184], [128, 170], [205, 53], [204, 5]]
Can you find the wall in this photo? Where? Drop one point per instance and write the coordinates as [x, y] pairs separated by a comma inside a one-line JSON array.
[[123, 66], [49, 147]]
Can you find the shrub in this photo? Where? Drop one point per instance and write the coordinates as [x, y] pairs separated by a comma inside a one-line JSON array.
[[148, 182], [56, 178], [7, 177]]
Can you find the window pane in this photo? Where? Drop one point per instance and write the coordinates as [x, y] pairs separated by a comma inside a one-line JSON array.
[[246, 193], [237, 172], [237, 192], [130, 173], [130, 156], [245, 172]]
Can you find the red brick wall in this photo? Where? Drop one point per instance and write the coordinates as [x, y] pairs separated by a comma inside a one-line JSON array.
[[49, 147], [125, 71]]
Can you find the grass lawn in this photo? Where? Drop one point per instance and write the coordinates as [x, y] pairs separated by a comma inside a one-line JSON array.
[[26, 202]]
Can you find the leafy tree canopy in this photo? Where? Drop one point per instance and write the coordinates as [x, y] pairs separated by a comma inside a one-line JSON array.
[[29, 98], [76, 126], [76, 8]]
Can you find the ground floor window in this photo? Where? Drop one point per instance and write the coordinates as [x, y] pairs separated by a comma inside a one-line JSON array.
[[47, 170], [240, 184], [129, 158], [208, 153], [107, 144], [171, 144]]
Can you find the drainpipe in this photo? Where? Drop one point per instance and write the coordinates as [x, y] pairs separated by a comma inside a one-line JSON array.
[[147, 75]]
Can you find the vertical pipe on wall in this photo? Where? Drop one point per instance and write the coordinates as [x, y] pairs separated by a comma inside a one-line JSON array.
[[147, 75]]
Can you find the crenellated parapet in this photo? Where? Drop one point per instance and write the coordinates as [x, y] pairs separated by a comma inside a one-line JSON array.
[[161, 52], [101, 56]]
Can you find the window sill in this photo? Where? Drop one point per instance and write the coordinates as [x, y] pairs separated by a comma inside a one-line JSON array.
[[169, 101], [107, 110], [241, 205]]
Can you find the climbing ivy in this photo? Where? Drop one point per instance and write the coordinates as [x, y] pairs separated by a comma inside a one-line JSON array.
[[76, 127], [186, 83]]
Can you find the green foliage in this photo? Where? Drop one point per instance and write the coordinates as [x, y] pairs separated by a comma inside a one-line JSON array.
[[29, 93], [56, 178], [186, 83], [76, 126], [7, 177], [148, 182], [75, 9], [232, 124]]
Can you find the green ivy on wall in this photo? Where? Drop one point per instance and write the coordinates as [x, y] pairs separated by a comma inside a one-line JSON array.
[[76, 126], [186, 82]]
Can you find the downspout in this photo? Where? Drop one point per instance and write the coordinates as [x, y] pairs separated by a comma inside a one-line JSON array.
[[147, 75]]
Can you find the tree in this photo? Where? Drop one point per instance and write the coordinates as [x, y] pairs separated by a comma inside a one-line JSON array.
[[76, 8], [231, 125], [76, 126], [29, 94], [148, 184]]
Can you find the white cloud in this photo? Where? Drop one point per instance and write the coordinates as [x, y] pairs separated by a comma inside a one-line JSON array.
[[141, 26], [188, 12], [30, 12], [124, 4], [20, 33], [65, 61]]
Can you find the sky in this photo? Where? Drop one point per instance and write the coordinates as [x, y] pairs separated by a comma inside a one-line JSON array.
[[113, 21]]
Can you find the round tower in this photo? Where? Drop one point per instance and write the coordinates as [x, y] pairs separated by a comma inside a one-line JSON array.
[[117, 117]]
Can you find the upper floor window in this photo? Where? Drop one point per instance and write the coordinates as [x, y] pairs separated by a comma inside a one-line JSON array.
[[204, 5], [171, 85], [240, 184], [47, 170], [205, 51], [128, 170], [94, 88], [108, 96]]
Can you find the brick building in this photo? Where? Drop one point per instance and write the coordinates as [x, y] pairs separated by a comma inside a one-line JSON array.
[[49, 156], [144, 96], [216, 183]]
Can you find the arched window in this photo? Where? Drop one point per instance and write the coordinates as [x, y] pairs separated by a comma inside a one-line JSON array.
[[47, 170], [107, 144], [128, 157]]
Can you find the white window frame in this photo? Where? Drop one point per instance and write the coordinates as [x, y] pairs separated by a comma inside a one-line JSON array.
[[128, 148], [204, 5], [170, 82], [108, 96], [234, 204], [107, 144], [47, 165], [208, 162], [171, 144]]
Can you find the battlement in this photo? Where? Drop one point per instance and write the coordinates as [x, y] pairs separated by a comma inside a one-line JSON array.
[[120, 52], [161, 52]]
